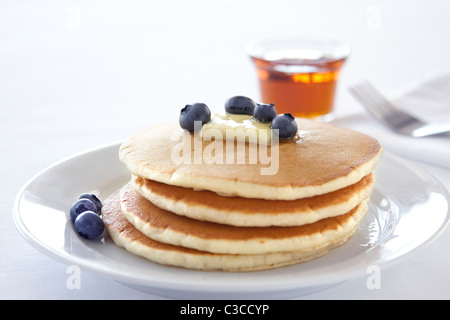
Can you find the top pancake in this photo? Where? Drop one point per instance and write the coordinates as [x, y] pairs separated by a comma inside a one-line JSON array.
[[320, 159]]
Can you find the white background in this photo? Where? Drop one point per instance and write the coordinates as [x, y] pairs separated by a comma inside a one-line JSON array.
[[78, 74]]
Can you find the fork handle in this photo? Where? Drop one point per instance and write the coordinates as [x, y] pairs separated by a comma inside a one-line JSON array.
[[432, 129]]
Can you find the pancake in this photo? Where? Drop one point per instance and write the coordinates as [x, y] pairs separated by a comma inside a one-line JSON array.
[[167, 227], [237, 211], [321, 158], [125, 235]]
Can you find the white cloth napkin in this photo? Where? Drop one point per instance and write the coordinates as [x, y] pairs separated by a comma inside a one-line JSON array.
[[428, 99]]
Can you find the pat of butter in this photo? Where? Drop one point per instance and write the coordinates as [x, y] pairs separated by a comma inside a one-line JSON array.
[[239, 127]]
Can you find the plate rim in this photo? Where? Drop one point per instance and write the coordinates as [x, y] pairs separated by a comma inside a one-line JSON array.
[[341, 276]]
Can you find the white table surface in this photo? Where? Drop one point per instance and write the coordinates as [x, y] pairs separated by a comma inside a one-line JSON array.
[[78, 74]]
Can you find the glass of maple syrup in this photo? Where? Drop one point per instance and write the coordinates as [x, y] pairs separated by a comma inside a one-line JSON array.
[[299, 75]]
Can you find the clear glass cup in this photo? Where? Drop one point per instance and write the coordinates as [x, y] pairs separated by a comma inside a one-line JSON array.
[[299, 75]]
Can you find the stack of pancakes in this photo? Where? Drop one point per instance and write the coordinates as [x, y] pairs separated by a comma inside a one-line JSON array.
[[228, 216]]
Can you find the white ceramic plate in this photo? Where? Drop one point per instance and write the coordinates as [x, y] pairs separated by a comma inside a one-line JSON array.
[[408, 209]]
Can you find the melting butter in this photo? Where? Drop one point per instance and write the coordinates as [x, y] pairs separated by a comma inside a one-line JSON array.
[[240, 127]]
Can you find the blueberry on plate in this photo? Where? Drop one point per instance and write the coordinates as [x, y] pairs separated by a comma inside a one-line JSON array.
[[89, 225], [240, 105], [286, 125], [94, 199], [80, 206], [265, 112], [194, 112]]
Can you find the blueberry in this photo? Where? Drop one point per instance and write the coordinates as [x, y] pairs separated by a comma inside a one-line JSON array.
[[81, 206], [194, 112], [94, 199], [89, 225], [286, 125], [265, 112], [240, 105]]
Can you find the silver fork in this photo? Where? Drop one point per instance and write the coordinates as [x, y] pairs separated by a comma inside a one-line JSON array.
[[395, 118]]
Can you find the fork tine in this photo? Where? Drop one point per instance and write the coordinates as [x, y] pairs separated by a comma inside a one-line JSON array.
[[397, 119], [375, 97], [360, 94], [378, 105], [396, 115], [385, 105]]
